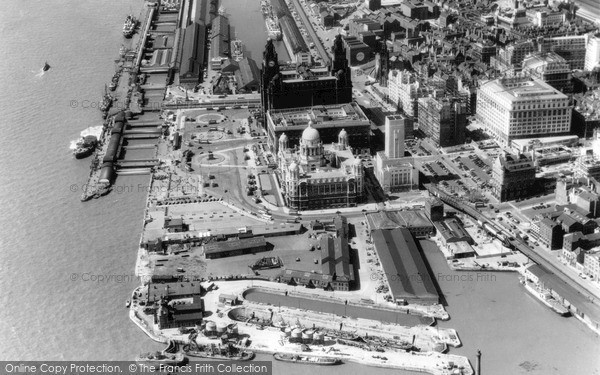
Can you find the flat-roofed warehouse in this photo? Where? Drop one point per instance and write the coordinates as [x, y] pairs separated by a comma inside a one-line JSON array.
[[192, 53], [415, 221], [222, 249], [404, 267]]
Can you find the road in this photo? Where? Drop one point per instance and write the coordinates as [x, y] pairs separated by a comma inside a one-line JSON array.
[[308, 25], [578, 294]]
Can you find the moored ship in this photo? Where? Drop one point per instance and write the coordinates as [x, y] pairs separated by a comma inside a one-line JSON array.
[[237, 49], [265, 7], [129, 26], [163, 358], [273, 29], [545, 297], [227, 352], [106, 102], [307, 359]]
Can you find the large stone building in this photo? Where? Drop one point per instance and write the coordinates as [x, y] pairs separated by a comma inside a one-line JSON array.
[[550, 68], [443, 120], [315, 177], [403, 90], [513, 177], [329, 120], [571, 47], [393, 170], [305, 87], [521, 107]]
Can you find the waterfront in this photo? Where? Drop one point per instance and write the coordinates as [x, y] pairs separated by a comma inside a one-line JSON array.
[[336, 308], [49, 236], [248, 24]]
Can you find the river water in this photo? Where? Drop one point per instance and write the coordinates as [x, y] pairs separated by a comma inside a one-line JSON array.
[[66, 267]]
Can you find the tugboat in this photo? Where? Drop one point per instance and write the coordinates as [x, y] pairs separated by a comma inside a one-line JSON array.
[[46, 66], [307, 359], [129, 26], [85, 147], [161, 358]]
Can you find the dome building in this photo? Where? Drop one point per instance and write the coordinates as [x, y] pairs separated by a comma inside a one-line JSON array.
[[314, 176]]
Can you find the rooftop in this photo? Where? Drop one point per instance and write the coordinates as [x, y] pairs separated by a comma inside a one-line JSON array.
[[325, 115], [404, 266], [583, 304], [521, 89], [232, 245], [397, 219]]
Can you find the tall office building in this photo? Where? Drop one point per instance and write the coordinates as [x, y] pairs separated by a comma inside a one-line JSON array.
[[571, 47], [444, 120], [395, 129], [550, 68], [393, 171], [513, 177], [521, 107], [592, 52]]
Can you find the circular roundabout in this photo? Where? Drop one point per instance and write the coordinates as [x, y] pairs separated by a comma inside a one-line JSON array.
[[210, 159], [208, 117]]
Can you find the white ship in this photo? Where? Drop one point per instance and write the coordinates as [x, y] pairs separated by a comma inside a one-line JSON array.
[[545, 296], [237, 49], [273, 29], [222, 10]]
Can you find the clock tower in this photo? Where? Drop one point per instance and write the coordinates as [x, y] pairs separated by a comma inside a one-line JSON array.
[[270, 69], [341, 70]]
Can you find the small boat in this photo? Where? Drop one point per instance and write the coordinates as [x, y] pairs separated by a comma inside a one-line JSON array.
[[307, 359], [127, 303], [159, 358], [106, 101], [46, 66]]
